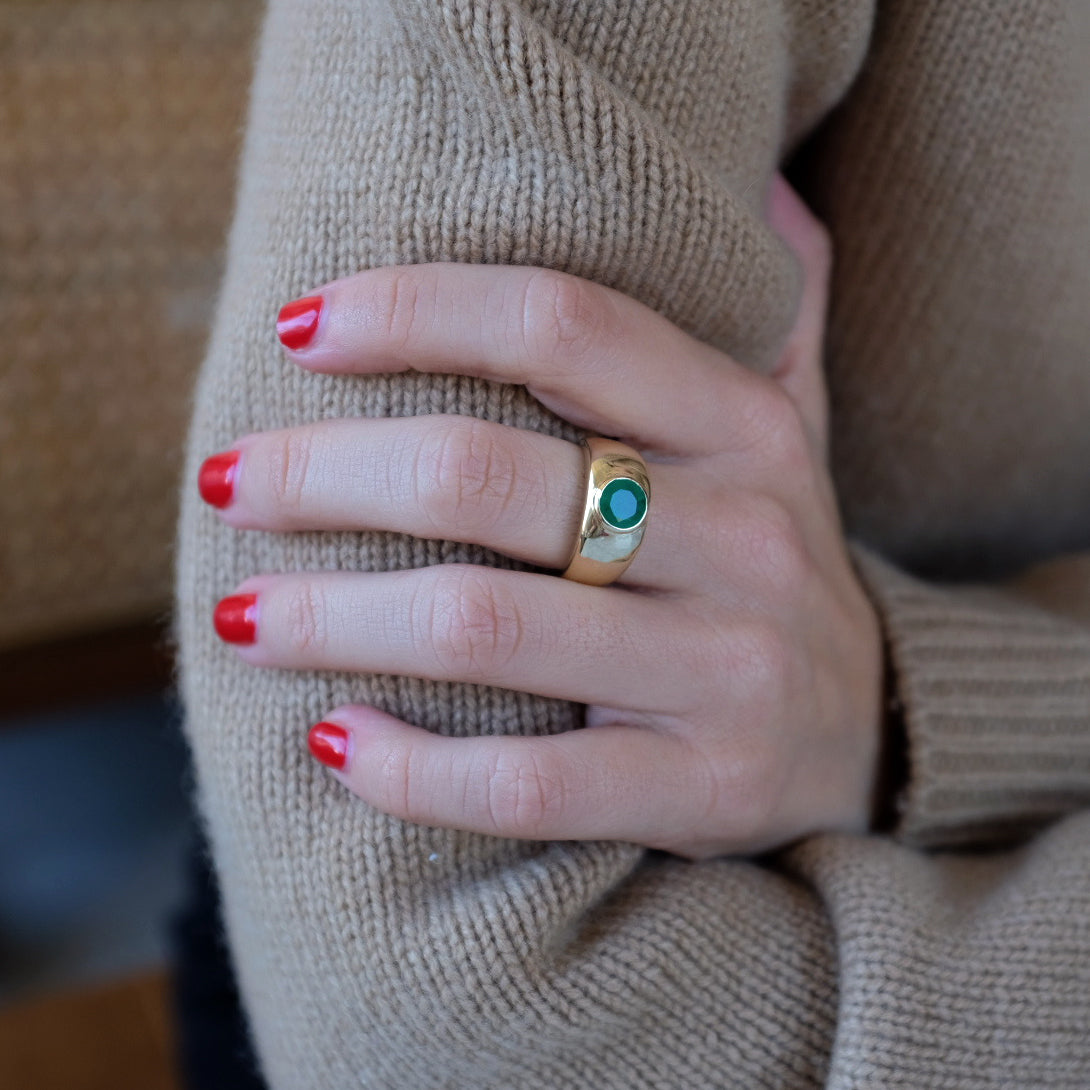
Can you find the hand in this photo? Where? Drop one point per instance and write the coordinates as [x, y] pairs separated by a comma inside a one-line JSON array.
[[732, 675]]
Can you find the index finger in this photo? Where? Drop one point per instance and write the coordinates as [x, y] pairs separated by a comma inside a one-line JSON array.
[[593, 355]]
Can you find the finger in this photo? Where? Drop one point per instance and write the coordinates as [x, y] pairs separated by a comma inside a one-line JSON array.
[[593, 355], [800, 369], [612, 782], [455, 478], [468, 623]]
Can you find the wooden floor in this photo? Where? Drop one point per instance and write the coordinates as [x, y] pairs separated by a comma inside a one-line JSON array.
[[111, 1038]]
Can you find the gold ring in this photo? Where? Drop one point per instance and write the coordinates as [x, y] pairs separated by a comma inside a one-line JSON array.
[[614, 512]]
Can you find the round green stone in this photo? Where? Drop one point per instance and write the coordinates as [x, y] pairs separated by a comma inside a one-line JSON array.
[[623, 503]]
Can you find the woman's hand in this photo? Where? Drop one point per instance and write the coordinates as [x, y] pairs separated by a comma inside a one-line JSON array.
[[733, 673]]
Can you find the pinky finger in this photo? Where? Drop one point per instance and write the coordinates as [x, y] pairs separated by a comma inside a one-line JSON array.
[[610, 782]]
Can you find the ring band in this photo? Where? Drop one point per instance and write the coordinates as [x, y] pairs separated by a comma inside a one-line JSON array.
[[614, 512]]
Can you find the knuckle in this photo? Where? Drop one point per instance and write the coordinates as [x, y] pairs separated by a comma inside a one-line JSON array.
[[759, 658], [523, 796], [290, 467], [773, 547], [753, 793], [404, 295], [474, 627], [563, 316], [306, 618], [398, 773], [393, 779], [467, 477], [732, 794], [778, 428]]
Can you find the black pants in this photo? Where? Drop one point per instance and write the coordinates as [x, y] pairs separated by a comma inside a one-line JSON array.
[[213, 1040]]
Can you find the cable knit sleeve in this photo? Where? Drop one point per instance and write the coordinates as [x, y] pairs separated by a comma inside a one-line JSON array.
[[628, 143]]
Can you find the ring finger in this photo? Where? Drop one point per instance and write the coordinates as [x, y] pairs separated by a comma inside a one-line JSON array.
[[451, 477]]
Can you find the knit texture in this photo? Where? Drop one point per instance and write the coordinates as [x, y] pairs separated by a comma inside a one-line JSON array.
[[996, 695], [632, 144], [119, 126], [955, 182]]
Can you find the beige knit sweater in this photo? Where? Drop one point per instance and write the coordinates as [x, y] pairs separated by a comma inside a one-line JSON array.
[[630, 142]]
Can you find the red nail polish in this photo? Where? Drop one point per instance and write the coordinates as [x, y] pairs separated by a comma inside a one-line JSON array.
[[236, 618], [216, 480], [329, 744], [298, 322]]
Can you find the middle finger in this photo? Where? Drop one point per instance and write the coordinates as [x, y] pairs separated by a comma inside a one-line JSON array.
[[469, 623]]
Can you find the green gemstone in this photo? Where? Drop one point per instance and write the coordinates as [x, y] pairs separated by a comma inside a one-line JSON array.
[[623, 503]]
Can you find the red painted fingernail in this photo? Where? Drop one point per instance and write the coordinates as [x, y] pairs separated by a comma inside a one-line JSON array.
[[298, 322], [216, 480], [329, 744], [236, 618]]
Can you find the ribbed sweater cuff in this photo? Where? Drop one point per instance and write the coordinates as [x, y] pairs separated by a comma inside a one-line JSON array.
[[994, 695]]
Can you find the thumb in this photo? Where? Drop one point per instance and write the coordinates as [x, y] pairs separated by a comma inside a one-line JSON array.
[[800, 368]]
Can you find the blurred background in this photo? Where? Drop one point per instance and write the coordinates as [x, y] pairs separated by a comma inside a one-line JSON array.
[[120, 123]]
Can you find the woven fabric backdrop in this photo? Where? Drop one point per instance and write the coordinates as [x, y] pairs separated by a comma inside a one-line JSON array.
[[119, 130]]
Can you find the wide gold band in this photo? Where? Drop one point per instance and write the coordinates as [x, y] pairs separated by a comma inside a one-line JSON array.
[[608, 539]]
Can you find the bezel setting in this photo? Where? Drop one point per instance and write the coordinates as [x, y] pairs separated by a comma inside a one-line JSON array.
[[605, 502]]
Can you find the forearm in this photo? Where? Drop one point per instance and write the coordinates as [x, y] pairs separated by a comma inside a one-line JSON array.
[[421, 957], [954, 181], [375, 951]]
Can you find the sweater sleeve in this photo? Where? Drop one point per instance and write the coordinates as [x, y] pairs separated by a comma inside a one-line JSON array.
[[991, 684], [955, 181], [626, 143]]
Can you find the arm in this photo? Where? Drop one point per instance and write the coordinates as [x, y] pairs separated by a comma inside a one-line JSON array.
[[959, 369], [374, 950], [476, 132]]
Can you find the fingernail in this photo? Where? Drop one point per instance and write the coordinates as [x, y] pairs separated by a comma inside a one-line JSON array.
[[329, 744], [216, 480], [236, 618], [298, 322]]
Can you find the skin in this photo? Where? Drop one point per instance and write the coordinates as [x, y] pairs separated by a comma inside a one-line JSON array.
[[732, 675]]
